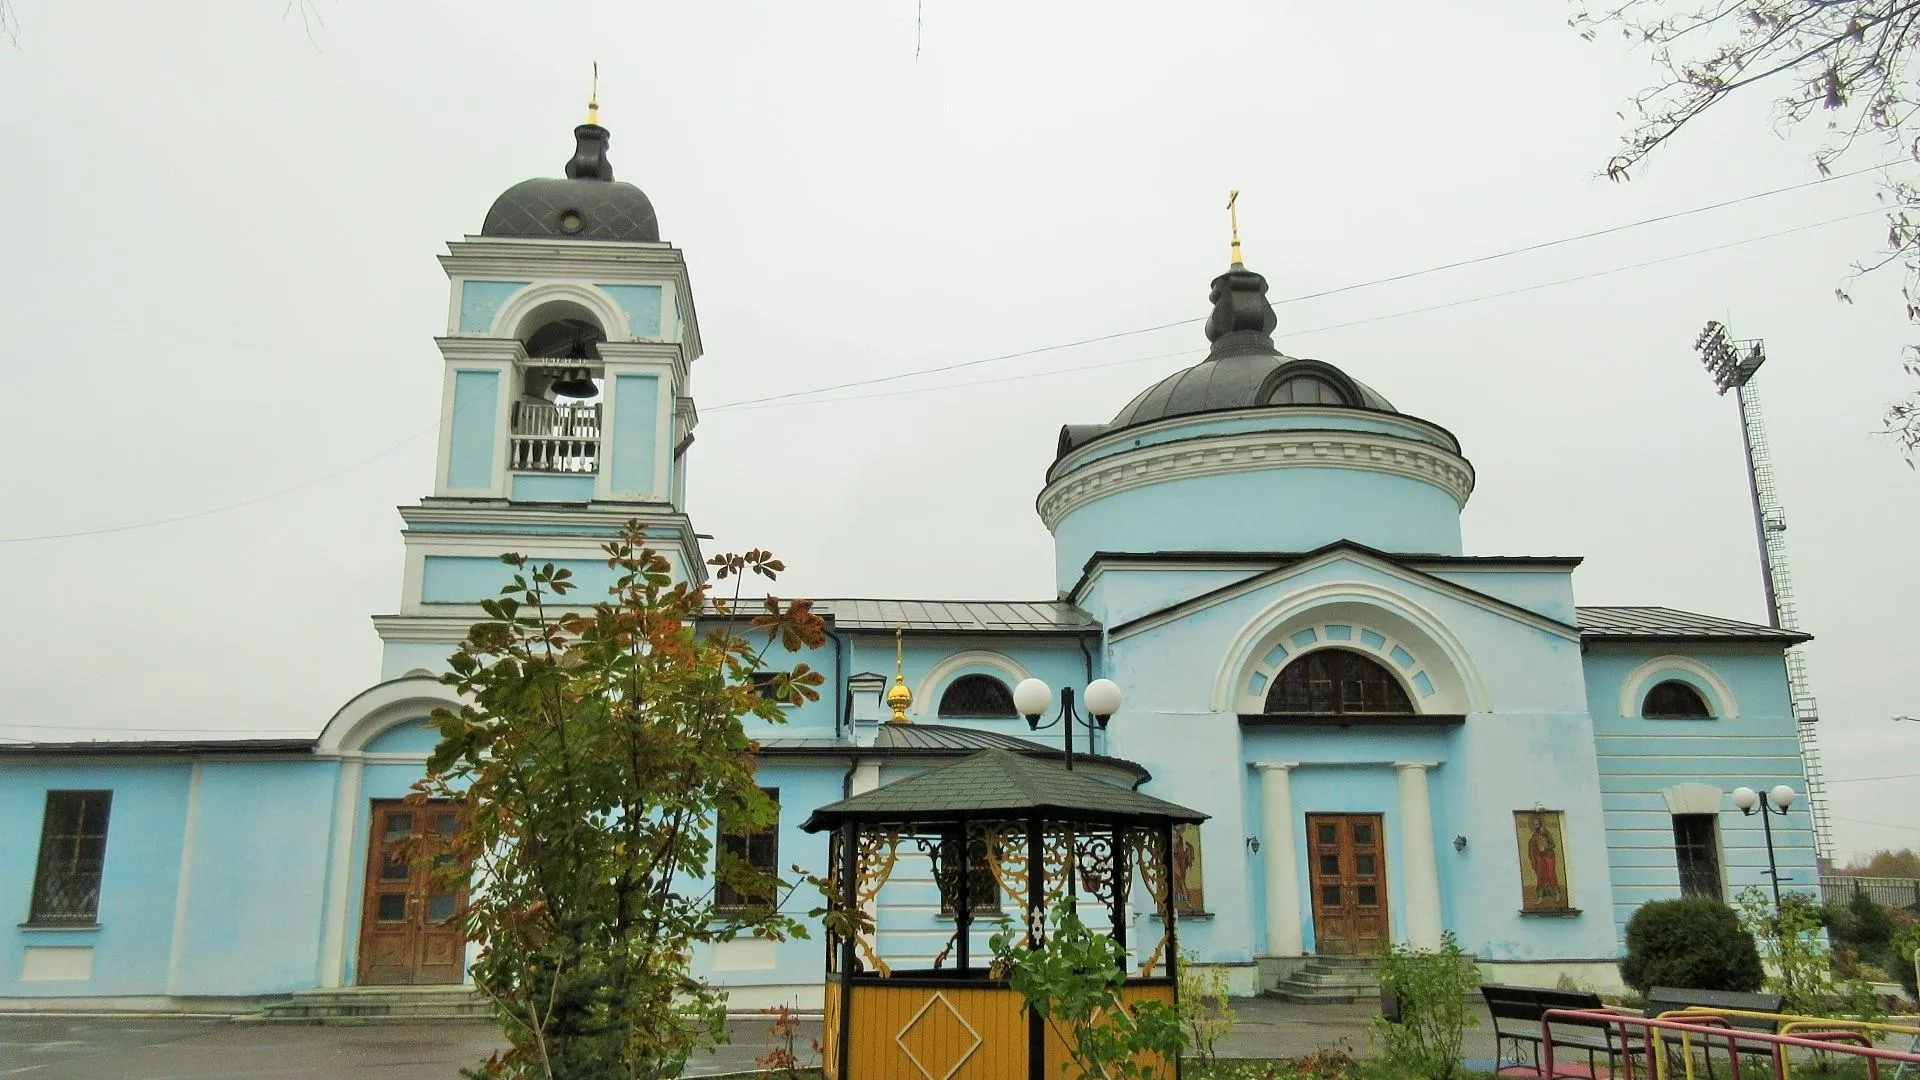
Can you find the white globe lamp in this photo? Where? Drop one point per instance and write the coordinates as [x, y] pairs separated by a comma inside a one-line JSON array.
[[1103, 699]]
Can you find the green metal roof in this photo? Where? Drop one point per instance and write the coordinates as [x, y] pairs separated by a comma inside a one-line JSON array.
[[994, 784]]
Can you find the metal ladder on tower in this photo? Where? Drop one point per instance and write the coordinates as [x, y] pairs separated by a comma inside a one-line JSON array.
[[1806, 713]]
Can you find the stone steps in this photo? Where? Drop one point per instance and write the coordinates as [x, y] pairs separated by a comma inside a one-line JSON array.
[[379, 1005], [1331, 980]]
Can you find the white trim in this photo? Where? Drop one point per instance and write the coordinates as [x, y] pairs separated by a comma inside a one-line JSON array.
[[1457, 667], [923, 697], [1251, 702], [333, 939], [378, 708], [1692, 799], [1297, 417], [1217, 455], [1265, 578], [1633, 689], [509, 320], [190, 833]]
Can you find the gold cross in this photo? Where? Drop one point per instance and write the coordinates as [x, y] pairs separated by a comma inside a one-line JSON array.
[[1233, 212]]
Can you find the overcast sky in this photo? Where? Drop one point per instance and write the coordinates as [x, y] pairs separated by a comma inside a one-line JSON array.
[[217, 282]]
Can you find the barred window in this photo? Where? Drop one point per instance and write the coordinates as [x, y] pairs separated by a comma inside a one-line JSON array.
[[1696, 847], [1675, 700], [757, 847], [73, 851], [977, 696], [1337, 681]]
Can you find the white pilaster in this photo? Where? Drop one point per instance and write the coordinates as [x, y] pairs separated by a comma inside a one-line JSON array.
[[1281, 859], [1421, 886]]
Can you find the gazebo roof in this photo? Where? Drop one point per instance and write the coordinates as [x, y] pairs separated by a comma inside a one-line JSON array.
[[996, 784]]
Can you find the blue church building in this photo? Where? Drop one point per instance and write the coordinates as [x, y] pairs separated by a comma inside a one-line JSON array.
[[1392, 738]]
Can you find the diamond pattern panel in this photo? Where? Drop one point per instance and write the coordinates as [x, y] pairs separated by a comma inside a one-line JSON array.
[[609, 210], [938, 1040]]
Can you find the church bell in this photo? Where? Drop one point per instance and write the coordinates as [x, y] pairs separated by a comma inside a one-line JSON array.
[[574, 383]]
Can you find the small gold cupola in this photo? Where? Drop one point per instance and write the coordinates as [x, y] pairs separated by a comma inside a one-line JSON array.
[[899, 698]]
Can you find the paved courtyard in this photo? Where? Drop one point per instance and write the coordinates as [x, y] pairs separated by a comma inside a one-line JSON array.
[[142, 1048]]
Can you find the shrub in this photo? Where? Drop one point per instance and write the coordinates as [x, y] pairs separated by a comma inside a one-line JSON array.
[[1905, 945], [1694, 943], [1433, 993]]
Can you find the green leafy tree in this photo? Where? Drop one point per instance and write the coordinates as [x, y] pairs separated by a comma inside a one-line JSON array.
[[1905, 958], [1694, 943], [1205, 1008], [1845, 62], [1433, 993], [1885, 863], [1073, 981], [1801, 966], [595, 752]]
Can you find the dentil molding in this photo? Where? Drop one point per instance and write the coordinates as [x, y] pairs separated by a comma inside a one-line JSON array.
[[1252, 452]]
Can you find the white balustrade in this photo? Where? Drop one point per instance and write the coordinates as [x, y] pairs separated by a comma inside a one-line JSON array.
[[561, 438]]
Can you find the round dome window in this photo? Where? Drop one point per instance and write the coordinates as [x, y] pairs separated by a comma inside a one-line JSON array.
[[571, 221]]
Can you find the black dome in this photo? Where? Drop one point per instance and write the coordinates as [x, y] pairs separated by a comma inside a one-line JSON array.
[[1243, 370], [589, 204]]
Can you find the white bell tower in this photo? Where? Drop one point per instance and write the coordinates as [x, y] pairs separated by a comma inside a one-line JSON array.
[[565, 411]]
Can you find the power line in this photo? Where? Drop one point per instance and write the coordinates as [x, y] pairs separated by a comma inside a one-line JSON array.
[[1908, 826], [785, 398], [1870, 779], [1391, 279], [776, 403]]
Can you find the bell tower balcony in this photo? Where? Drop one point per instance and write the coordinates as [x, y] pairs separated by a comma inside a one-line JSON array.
[[561, 437]]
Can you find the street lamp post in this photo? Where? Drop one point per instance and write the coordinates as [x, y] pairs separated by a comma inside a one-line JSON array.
[[1032, 697], [1775, 801]]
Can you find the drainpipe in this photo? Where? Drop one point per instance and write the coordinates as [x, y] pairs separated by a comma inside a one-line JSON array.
[[840, 681]]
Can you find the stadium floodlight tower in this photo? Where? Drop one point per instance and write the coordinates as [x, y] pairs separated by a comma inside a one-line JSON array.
[[1733, 365]]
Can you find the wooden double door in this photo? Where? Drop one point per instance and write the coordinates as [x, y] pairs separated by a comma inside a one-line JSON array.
[[409, 924], [1348, 858]]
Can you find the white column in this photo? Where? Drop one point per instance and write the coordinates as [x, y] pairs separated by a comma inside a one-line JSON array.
[[1281, 859], [1421, 886]]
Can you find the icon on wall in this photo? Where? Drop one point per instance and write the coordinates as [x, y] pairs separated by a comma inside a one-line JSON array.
[[1189, 897], [1543, 865]]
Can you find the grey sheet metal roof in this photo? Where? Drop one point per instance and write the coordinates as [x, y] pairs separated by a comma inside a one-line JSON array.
[[1669, 624], [937, 740], [1003, 616], [999, 783]]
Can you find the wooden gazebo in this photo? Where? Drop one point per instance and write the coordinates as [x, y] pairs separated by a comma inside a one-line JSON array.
[[1028, 827]]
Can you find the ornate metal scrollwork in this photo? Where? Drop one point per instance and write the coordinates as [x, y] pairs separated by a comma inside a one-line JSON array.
[[1151, 855], [944, 855], [878, 851]]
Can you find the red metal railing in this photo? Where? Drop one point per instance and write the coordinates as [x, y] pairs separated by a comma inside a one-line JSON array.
[[1638, 1037]]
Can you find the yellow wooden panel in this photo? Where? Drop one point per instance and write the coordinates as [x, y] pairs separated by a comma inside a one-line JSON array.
[[901, 1029], [830, 1032], [1131, 993]]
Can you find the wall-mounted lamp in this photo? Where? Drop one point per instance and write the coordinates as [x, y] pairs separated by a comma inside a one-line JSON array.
[[1253, 844], [1459, 843]]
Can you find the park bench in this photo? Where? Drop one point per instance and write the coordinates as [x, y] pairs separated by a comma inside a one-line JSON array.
[[1518, 1012], [1663, 1000]]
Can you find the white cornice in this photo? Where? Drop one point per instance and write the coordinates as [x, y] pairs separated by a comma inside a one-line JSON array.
[[481, 256], [597, 515], [1216, 455], [498, 350], [1293, 416]]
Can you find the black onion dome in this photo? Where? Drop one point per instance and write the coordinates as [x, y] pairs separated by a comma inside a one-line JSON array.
[[1243, 370], [588, 205]]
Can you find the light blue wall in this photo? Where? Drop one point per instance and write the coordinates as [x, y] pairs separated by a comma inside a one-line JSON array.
[[1290, 509], [480, 302], [145, 830], [1535, 745], [642, 305], [258, 877], [399, 657], [635, 434], [1639, 759], [803, 784], [549, 487], [472, 455], [1118, 596], [469, 579], [1548, 593]]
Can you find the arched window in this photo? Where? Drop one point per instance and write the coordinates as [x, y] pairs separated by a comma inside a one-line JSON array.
[[1675, 700], [977, 696], [1337, 681], [1307, 390]]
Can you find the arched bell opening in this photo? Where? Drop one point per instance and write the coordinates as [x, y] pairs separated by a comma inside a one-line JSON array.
[[557, 416]]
